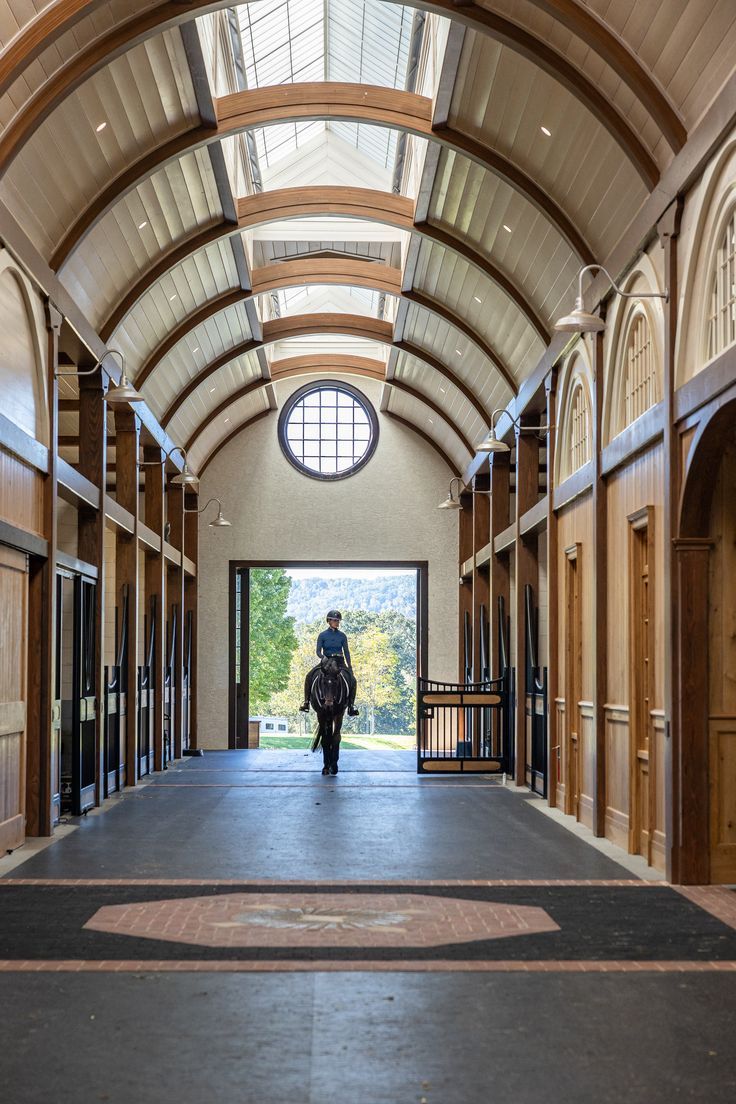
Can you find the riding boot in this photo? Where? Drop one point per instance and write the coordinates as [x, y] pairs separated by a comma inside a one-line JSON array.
[[352, 711]]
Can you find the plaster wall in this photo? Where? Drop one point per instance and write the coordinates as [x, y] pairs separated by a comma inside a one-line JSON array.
[[387, 511]]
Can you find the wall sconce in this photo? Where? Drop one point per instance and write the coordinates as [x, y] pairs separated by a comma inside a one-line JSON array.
[[220, 522], [452, 502], [185, 478], [123, 392], [491, 443], [581, 321]]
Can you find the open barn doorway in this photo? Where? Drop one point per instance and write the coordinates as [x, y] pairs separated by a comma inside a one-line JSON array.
[[277, 613]]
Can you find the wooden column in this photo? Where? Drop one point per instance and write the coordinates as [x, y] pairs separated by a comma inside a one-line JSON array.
[[481, 575], [465, 552], [600, 593], [500, 574], [669, 229], [127, 440], [93, 465], [175, 598], [691, 830], [191, 549], [553, 744], [527, 489], [42, 618], [155, 582]]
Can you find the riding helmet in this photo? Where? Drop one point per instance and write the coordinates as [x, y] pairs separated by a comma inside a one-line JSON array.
[[333, 615]]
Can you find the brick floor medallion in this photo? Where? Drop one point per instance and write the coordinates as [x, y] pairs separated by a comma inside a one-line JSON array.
[[276, 920]]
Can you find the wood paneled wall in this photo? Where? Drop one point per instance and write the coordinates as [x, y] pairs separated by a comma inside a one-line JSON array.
[[21, 493]]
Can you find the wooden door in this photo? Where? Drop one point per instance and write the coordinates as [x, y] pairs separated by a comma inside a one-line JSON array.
[[641, 686], [13, 657], [573, 680]]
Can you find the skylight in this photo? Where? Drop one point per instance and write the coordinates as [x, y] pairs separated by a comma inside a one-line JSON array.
[[356, 41]]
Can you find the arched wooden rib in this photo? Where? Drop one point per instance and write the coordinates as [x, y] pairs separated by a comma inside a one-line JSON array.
[[339, 270], [435, 408], [433, 362], [349, 325], [403, 111], [305, 271], [427, 304], [331, 201], [214, 366], [426, 438], [332, 363], [234, 433], [255, 385], [59, 17]]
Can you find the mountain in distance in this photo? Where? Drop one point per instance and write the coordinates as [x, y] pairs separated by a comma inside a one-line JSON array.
[[310, 598]]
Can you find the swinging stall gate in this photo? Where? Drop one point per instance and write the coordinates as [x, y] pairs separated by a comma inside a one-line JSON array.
[[467, 727]]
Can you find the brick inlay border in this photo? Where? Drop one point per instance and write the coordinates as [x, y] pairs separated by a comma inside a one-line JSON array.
[[717, 900], [394, 883], [226, 966]]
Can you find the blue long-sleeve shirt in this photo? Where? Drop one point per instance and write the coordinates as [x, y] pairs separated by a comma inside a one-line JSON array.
[[332, 642]]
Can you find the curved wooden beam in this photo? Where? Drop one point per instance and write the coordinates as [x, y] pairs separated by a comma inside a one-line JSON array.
[[51, 23], [432, 361], [226, 440], [304, 271], [327, 200], [314, 363], [435, 408], [426, 438], [214, 366], [255, 385], [400, 110]]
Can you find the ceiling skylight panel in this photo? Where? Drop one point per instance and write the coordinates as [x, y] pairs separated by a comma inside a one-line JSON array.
[[283, 41], [368, 42]]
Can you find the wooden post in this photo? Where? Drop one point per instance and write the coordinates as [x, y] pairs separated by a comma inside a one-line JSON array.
[[127, 434], [191, 548], [465, 552], [93, 465], [669, 229], [481, 575], [527, 489], [42, 618], [153, 497], [553, 745], [500, 573], [175, 598], [600, 594]]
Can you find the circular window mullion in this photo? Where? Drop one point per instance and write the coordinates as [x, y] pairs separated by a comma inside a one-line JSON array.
[[323, 424]]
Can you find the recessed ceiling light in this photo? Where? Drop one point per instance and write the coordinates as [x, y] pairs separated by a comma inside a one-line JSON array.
[[507, 228], [142, 224], [547, 132], [431, 421], [100, 126], [211, 390], [196, 350], [173, 297], [459, 352], [477, 298], [227, 419], [442, 390]]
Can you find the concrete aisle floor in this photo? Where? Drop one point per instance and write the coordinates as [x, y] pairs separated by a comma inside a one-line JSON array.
[[621, 991]]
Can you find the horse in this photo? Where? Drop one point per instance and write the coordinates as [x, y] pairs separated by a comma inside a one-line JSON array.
[[329, 700]]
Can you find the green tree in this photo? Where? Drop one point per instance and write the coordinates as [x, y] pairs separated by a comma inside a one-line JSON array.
[[272, 636], [376, 660]]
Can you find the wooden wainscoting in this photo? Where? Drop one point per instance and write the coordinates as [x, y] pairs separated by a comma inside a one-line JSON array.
[[557, 754], [21, 493], [658, 851], [722, 774], [14, 635], [586, 762], [617, 774]]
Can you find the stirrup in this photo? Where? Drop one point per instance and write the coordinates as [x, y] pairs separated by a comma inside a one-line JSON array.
[[304, 708], [352, 711]]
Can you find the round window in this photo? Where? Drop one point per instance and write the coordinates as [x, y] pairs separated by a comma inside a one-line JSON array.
[[328, 430]]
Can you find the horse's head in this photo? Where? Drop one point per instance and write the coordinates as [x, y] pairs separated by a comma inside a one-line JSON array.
[[330, 681]]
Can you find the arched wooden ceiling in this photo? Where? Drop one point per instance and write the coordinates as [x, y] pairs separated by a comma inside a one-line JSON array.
[[642, 115]]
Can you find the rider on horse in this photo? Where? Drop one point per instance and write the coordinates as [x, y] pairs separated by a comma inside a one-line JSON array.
[[332, 642]]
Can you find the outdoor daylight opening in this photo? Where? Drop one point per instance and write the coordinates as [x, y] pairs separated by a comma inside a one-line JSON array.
[[278, 612]]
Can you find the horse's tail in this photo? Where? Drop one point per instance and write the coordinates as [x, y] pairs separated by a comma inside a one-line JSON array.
[[317, 738]]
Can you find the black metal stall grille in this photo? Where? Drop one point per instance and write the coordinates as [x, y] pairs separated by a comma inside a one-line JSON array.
[[463, 726]]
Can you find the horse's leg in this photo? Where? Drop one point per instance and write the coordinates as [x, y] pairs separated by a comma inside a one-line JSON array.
[[336, 732]]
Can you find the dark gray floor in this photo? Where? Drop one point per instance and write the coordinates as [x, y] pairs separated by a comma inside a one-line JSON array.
[[354, 1038]]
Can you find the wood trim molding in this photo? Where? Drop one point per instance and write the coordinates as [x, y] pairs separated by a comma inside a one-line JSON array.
[[505, 539], [130, 33], [633, 439], [23, 540], [212, 415], [713, 380], [83, 491], [435, 408], [577, 484], [314, 364], [425, 437], [21, 444], [534, 520], [77, 566], [428, 358]]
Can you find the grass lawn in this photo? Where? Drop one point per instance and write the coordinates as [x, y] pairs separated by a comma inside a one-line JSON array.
[[350, 742]]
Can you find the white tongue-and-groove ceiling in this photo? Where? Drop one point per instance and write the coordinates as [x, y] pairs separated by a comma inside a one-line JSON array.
[[556, 120]]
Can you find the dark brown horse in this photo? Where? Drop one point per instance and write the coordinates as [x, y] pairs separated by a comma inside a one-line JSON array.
[[329, 700]]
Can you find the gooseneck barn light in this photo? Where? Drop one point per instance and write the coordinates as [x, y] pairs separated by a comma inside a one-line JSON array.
[[452, 502], [185, 478], [122, 392], [220, 521], [491, 443], [581, 321]]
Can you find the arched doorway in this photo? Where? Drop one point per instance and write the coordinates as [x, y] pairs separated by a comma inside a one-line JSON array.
[[705, 657]]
